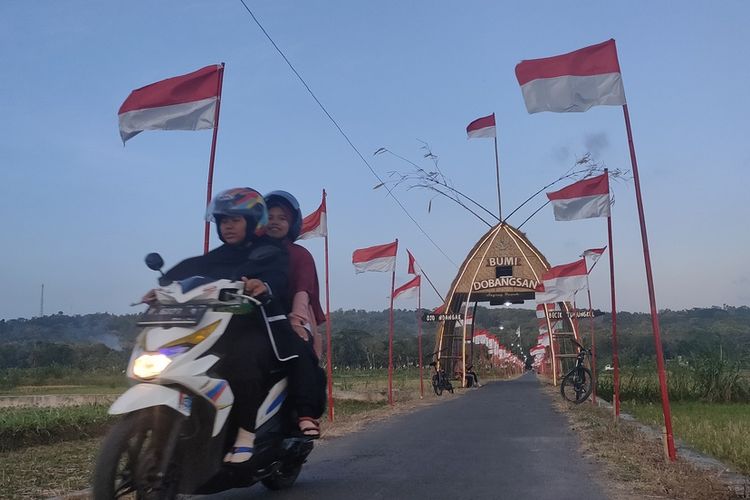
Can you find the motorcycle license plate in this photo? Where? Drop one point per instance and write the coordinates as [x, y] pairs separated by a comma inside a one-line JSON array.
[[173, 315]]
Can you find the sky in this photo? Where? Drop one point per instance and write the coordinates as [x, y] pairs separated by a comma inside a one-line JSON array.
[[81, 211]]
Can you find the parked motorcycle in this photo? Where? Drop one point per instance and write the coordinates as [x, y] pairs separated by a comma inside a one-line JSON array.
[[176, 427]]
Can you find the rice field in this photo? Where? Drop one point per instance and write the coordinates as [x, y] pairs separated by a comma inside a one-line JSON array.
[[706, 380], [721, 430]]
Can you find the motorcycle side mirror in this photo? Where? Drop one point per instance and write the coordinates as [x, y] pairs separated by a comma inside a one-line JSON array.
[[154, 262]]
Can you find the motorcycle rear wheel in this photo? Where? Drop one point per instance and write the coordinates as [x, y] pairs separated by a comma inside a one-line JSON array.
[[128, 462]]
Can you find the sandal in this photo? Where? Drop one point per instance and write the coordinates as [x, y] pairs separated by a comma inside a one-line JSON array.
[[242, 451], [309, 427]]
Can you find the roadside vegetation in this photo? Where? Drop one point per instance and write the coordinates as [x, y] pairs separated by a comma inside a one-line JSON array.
[[634, 463], [706, 378], [721, 430], [23, 427], [709, 398]]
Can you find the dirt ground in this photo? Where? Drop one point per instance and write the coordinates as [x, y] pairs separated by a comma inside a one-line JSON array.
[[634, 463]]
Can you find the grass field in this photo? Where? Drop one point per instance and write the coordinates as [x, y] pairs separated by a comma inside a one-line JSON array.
[[718, 429], [23, 427], [36, 390]]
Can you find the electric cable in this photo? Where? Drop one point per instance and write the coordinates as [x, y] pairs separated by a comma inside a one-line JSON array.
[[341, 131]]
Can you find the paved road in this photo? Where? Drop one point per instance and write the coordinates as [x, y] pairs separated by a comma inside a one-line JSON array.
[[501, 441]]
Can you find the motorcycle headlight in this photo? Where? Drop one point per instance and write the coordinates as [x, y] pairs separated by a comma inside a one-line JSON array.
[[150, 365]]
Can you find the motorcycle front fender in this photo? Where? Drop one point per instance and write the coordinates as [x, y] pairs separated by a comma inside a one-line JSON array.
[[142, 396]]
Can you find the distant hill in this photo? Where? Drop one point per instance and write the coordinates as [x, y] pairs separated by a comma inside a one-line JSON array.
[[683, 332]]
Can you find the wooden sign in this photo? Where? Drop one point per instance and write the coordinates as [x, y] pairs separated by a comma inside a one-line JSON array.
[[432, 318]]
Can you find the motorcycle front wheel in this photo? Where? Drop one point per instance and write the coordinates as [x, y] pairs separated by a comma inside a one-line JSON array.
[[130, 459]]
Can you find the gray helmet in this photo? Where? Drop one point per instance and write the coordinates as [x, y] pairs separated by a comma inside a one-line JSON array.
[[276, 198]]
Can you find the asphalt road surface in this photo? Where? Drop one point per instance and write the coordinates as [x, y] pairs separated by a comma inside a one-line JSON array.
[[503, 440]]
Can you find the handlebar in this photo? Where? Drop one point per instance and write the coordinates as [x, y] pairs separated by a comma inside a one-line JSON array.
[[581, 347], [258, 301]]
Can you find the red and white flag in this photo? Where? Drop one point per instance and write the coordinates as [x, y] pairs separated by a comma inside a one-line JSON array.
[[585, 199], [380, 258], [543, 297], [413, 266], [563, 281], [186, 102], [537, 350], [482, 127], [409, 289], [540, 313], [592, 256], [468, 320], [572, 82], [315, 225]]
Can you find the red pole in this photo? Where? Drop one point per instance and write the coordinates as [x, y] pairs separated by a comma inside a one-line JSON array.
[[419, 338], [390, 336], [209, 187], [329, 356], [593, 342], [672, 453], [615, 348]]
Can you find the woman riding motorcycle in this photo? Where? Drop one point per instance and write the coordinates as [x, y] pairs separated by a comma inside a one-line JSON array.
[[248, 356], [305, 313]]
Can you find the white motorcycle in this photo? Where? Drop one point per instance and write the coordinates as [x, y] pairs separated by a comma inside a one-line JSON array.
[[176, 428]]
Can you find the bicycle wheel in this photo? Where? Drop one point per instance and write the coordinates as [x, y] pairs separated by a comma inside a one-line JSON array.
[[577, 385], [436, 386]]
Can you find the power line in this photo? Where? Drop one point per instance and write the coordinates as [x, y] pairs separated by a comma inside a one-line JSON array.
[[341, 131]]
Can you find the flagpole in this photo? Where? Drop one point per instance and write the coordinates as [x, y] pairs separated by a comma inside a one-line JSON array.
[[421, 269], [497, 174], [615, 348], [390, 335], [593, 342], [471, 349], [209, 187], [419, 338], [672, 453], [551, 346], [329, 356]]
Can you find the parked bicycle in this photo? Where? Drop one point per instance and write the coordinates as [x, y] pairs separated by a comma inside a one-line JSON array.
[[440, 381], [578, 383]]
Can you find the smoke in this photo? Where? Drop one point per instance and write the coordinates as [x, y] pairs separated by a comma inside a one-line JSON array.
[[110, 341], [561, 154], [596, 143]]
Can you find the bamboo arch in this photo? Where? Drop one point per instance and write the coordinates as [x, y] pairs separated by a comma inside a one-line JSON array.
[[503, 266]]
